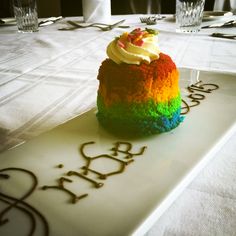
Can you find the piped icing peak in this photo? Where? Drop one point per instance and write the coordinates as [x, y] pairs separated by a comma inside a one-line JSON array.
[[134, 47]]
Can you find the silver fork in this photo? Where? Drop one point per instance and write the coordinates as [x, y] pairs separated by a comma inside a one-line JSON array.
[[49, 21], [102, 26], [77, 26], [225, 36], [231, 23], [151, 20]]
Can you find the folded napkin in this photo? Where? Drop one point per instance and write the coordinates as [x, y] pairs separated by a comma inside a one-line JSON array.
[[97, 10]]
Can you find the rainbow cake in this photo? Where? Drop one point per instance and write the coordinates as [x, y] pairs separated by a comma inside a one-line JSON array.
[[138, 86]]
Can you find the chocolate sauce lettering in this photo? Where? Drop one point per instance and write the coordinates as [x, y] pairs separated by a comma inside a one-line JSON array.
[[61, 187], [4, 176], [122, 163], [20, 204], [94, 182], [30, 212], [60, 166], [119, 147], [100, 175], [212, 87], [128, 146], [197, 97]]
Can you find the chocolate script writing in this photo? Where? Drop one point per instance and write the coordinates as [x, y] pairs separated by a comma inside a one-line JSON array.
[[123, 148], [19, 203], [196, 94], [32, 214]]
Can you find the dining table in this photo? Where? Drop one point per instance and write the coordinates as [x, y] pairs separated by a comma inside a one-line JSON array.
[[48, 88]]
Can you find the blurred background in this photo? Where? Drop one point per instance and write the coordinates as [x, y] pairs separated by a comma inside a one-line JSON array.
[[47, 8]]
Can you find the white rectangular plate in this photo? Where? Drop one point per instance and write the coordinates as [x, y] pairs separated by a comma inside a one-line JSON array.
[[129, 202]]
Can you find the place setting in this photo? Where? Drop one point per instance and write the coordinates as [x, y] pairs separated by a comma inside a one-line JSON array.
[[74, 25]]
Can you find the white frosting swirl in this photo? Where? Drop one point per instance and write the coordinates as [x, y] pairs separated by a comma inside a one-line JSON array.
[[131, 53]]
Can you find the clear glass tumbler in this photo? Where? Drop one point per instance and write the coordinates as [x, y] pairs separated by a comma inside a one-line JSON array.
[[26, 15], [189, 15]]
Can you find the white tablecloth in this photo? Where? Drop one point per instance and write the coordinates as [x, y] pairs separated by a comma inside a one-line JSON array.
[[49, 77]]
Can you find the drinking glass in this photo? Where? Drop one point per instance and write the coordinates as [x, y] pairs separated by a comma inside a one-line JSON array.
[[26, 15], [189, 15]]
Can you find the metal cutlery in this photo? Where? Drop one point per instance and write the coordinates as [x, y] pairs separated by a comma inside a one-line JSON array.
[[49, 21], [151, 20], [225, 36], [110, 27], [7, 21], [230, 23], [102, 26], [76, 25]]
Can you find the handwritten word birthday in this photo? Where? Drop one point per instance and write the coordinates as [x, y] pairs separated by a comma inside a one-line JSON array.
[[121, 153]]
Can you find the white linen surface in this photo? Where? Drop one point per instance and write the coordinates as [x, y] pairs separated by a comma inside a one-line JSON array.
[[49, 77], [208, 206]]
